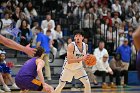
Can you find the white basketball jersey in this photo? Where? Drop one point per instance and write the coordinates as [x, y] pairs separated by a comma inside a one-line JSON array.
[[77, 54]]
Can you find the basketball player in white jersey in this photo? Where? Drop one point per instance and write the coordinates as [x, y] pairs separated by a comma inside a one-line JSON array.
[[73, 67]]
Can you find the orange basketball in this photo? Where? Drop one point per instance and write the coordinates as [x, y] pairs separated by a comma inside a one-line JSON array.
[[91, 60]]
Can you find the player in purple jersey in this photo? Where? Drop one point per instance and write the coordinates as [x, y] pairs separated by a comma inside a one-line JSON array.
[[136, 37], [26, 77]]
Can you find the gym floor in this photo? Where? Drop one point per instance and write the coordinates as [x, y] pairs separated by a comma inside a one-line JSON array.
[[131, 89]]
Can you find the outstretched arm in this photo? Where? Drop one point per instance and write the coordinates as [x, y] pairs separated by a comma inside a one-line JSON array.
[[136, 38], [12, 44]]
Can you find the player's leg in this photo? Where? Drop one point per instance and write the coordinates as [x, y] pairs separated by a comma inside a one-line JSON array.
[[66, 75], [82, 76], [60, 86], [138, 64]]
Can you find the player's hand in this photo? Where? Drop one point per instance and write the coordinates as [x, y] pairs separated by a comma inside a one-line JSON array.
[[48, 88], [30, 51], [84, 57]]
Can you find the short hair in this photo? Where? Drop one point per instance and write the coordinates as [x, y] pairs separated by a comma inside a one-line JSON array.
[[48, 31], [39, 28], [39, 52], [78, 32]]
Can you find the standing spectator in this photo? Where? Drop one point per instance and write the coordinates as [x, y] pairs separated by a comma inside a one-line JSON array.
[[125, 52], [100, 51], [48, 20], [44, 41], [119, 70], [103, 69]]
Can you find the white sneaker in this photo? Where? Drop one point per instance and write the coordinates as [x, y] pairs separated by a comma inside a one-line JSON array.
[[15, 86], [6, 88], [1, 91]]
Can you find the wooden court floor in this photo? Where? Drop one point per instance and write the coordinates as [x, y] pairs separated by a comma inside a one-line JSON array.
[[131, 89]]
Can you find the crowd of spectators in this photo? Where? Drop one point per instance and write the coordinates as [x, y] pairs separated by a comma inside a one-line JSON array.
[[108, 26]]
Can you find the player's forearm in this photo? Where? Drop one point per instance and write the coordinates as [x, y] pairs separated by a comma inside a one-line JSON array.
[[74, 60], [40, 75], [12, 44]]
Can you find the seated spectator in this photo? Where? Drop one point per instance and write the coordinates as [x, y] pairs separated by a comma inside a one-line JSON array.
[[16, 14], [103, 69], [25, 35], [5, 70], [44, 24], [22, 16], [118, 70], [58, 36], [30, 12], [100, 51], [7, 21], [63, 49]]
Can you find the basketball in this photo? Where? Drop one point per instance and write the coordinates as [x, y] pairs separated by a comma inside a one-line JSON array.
[[91, 60]]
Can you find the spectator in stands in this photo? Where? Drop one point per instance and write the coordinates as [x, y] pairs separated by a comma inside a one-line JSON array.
[[25, 35], [116, 7], [116, 18], [11, 5], [16, 14], [122, 27], [80, 11], [63, 49], [7, 21], [22, 16], [30, 12], [35, 24], [121, 39], [103, 69], [111, 36], [100, 51], [129, 36], [88, 24], [119, 70], [44, 41], [125, 52], [135, 20], [47, 21], [104, 27], [3, 8], [6, 71], [59, 36]]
